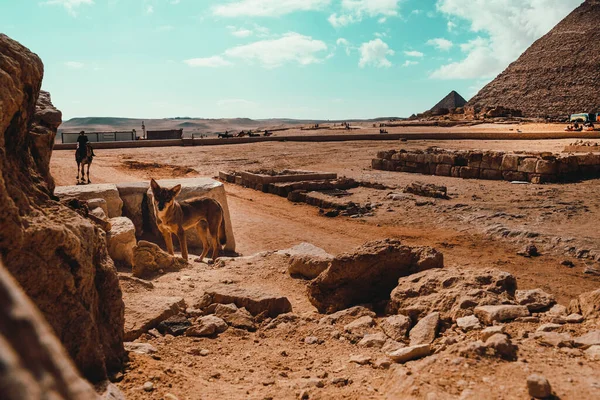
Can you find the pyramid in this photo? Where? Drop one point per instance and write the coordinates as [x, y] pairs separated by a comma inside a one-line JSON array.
[[557, 76], [453, 100]]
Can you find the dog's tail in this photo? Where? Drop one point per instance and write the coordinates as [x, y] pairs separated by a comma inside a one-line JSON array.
[[222, 233]]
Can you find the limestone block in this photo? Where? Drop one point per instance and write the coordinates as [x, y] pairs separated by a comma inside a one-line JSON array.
[[528, 165], [546, 167], [106, 191], [121, 240], [443, 170]]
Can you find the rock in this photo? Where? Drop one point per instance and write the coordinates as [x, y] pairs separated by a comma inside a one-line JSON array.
[[140, 348], [121, 240], [591, 270], [369, 274], [502, 346], [593, 353], [101, 204], [549, 328], [567, 263], [143, 313], [454, 293], [410, 353], [306, 260], [590, 339], [109, 391], [100, 214], [106, 191], [376, 340], [361, 360], [490, 314], [574, 319], [311, 340], [149, 259], [194, 188], [529, 251], [473, 349], [29, 350], [468, 323], [208, 325], [239, 318], [360, 325], [346, 316], [538, 386], [395, 326], [491, 331], [256, 302], [58, 257], [587, 304], [557, 310], [135, 203], [148, 387], [425, 331], [382, 363], [427, 190], [175, 325], [288, 318], [535, 300], [553, 339]]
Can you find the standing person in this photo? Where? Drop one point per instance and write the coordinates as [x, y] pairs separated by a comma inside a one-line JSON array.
[[82, 142]]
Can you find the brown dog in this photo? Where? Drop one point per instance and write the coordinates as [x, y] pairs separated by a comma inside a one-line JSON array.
[[174, 217]]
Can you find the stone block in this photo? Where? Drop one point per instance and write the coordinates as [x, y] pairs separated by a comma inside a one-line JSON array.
[[491, 174], [546, 167], [443, 170], [377, 163], [121, 241], [455, 172], [514, 176], [106, 191], [491, 160], [469, 173], [510, 162], [527, 165]]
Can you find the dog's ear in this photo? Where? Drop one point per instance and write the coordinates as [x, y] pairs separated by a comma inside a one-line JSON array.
[[176, 190], [154, 186]]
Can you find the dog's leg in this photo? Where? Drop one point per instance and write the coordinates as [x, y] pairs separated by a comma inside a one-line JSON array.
[[168, 241], [202, 233], [182, 243]]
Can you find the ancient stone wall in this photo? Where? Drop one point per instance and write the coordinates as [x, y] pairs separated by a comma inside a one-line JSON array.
[[533, 167]]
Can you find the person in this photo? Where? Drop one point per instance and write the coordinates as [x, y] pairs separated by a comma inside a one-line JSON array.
[[82, 142]]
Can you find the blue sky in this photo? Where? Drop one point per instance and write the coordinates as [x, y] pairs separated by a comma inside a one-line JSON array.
[[322, 59]]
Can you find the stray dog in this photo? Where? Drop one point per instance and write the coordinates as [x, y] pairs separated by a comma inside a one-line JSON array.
[[204, 214]]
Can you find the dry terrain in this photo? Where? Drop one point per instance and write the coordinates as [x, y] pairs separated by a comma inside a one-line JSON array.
[[483, 224]]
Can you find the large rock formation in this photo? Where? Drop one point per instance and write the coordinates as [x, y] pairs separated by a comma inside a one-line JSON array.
[[57, 256], [34, 364], [558, 75]]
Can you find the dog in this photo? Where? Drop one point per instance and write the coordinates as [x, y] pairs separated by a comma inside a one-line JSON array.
[[175, 217]]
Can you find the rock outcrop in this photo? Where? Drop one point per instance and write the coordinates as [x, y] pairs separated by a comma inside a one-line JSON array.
[[557, 76], [369, 274], [58, 257], [149, 259]]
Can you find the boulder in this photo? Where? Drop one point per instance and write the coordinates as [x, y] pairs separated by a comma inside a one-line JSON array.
[[57, 256], [468, 323], [425, 331], [236, 317], [254, 301], [500, 313], [106, 191], [538, 387], [208, 325], [376, 340], [587, 304], [307, 260], [135, 202], [192, 188], [535, 300], [369, 274], [491, 331], [502, 346], [452, 292], [34, 363], [143, 312], [121, 241], [406, 354], [149, 259], [395, 326]]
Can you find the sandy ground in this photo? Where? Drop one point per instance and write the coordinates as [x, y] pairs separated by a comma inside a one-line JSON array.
[[560, 219]]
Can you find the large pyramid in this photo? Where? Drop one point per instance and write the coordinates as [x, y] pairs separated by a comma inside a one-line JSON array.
[[453, 100], [558, 75]]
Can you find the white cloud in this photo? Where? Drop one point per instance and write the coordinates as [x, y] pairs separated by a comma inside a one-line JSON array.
[[70, 5], [149, 9], [506, 29], [381, 34], [414, 53], [208, 62], [353, 11], [257, 30], [267, 8], [241, 33], [409, 63], [342, 20], [344, 43], [375, 53], [451, 25], [272, 53], [74, 64], [440, 44]]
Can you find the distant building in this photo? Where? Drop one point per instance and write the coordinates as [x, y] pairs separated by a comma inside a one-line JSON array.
[[165, 135]]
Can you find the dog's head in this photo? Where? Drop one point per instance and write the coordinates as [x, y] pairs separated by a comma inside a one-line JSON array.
[[163, 197]]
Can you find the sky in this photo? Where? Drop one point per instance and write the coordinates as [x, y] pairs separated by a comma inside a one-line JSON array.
[[308, 59]]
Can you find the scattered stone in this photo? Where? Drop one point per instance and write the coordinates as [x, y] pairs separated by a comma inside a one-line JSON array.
[[491, 331], [340, 381], [558, 310], [238, 318], [529, 251], [175, 325], [143, 313], [361, 360], [574, 319], [427, 190], [502, 346], [591, 270], [256, 302], [593, 353], [288, 318], [149, 259], [360, 325], [538, 386], [376, 340], [568, 264], [311, 340], [396, 326], [528, 320], [554, 339], [346, 316], [369, 274], [535, 300], [590, 339], [587, 304], [549, 328], [307, 260], [382, 363], [490, 314], [139, 348], [148, 386], [425, 331], [468, 323], [477, 348], [207, 326], [410, 353]]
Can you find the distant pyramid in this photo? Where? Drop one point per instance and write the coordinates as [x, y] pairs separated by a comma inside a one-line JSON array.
[[558, 75], [453, 100]]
